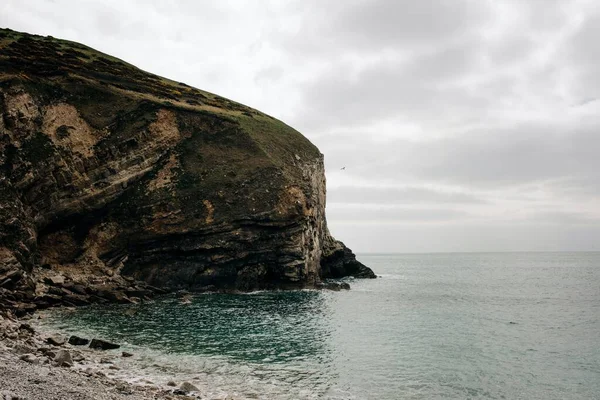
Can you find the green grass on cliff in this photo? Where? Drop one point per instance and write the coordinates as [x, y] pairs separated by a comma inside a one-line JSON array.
[[54, 66]]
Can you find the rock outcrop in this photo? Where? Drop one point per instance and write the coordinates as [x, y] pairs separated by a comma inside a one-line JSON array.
[[110, 172]]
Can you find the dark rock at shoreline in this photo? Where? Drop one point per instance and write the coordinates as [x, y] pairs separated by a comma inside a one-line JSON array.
[[335, 286], [78, 341], [10, 279], [126, 354], [103, 345], [56, 280], [340, 262], [76, 300], [27, 327], [76, 289]]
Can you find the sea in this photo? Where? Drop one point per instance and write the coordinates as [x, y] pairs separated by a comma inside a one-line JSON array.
[[431, 326]]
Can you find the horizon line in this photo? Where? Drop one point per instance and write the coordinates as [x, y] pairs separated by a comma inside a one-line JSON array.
[[473, 252]]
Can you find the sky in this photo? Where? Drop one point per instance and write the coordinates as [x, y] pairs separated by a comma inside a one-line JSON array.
[[446, 125]]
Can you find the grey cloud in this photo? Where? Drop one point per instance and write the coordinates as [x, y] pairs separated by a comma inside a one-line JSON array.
[[408, 195], [528, 153], [406, 23], [466, 236], [373, 213], [584, 55], [108, 22], [272, 73], [577, 187], [413, 90], [452, 76], [565, 218], [587, 34], [543, 15], [373, 25], [514, 48], [484, 159]]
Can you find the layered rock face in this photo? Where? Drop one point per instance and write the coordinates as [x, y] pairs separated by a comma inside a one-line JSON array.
[[106, 169]]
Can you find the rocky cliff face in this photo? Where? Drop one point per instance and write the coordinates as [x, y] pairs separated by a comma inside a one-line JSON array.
[[107, 170]]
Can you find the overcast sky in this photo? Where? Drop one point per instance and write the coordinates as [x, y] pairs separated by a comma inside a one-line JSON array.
[[463, 125]]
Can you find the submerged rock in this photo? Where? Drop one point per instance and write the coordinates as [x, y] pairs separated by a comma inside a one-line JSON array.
[[119, 171], [335, 286]]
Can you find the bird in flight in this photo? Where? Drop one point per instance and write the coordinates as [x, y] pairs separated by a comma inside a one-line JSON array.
[[343, 168]]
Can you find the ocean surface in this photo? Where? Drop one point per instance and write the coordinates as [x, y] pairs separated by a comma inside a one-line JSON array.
[[433, 326]]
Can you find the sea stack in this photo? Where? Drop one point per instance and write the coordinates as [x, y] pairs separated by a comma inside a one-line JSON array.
[[108, 170]]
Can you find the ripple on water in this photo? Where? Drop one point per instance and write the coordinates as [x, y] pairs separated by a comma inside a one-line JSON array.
[[432, 326]]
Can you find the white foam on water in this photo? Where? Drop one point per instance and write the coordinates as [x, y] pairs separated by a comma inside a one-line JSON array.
[[216, 377]]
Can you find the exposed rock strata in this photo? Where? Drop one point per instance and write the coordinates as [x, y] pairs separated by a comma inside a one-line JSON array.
[[108, 172]]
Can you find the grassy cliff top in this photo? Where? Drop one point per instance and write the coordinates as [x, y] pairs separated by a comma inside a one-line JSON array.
[[46, 61]]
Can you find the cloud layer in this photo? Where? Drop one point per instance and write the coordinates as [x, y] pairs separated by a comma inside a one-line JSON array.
[[462, 125]]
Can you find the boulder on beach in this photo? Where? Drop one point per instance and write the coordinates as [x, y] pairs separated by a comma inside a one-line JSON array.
[[63, 358], [56, 340], [21, 348], [30, 358], [188, 387], [77, 356]]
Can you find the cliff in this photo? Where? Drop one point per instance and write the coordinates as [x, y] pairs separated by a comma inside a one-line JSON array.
[[109, 171]]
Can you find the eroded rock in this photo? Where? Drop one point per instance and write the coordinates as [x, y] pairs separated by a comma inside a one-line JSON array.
[[56, 280]]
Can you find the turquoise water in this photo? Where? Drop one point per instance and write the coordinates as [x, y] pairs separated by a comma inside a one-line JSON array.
[[433, 326]]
